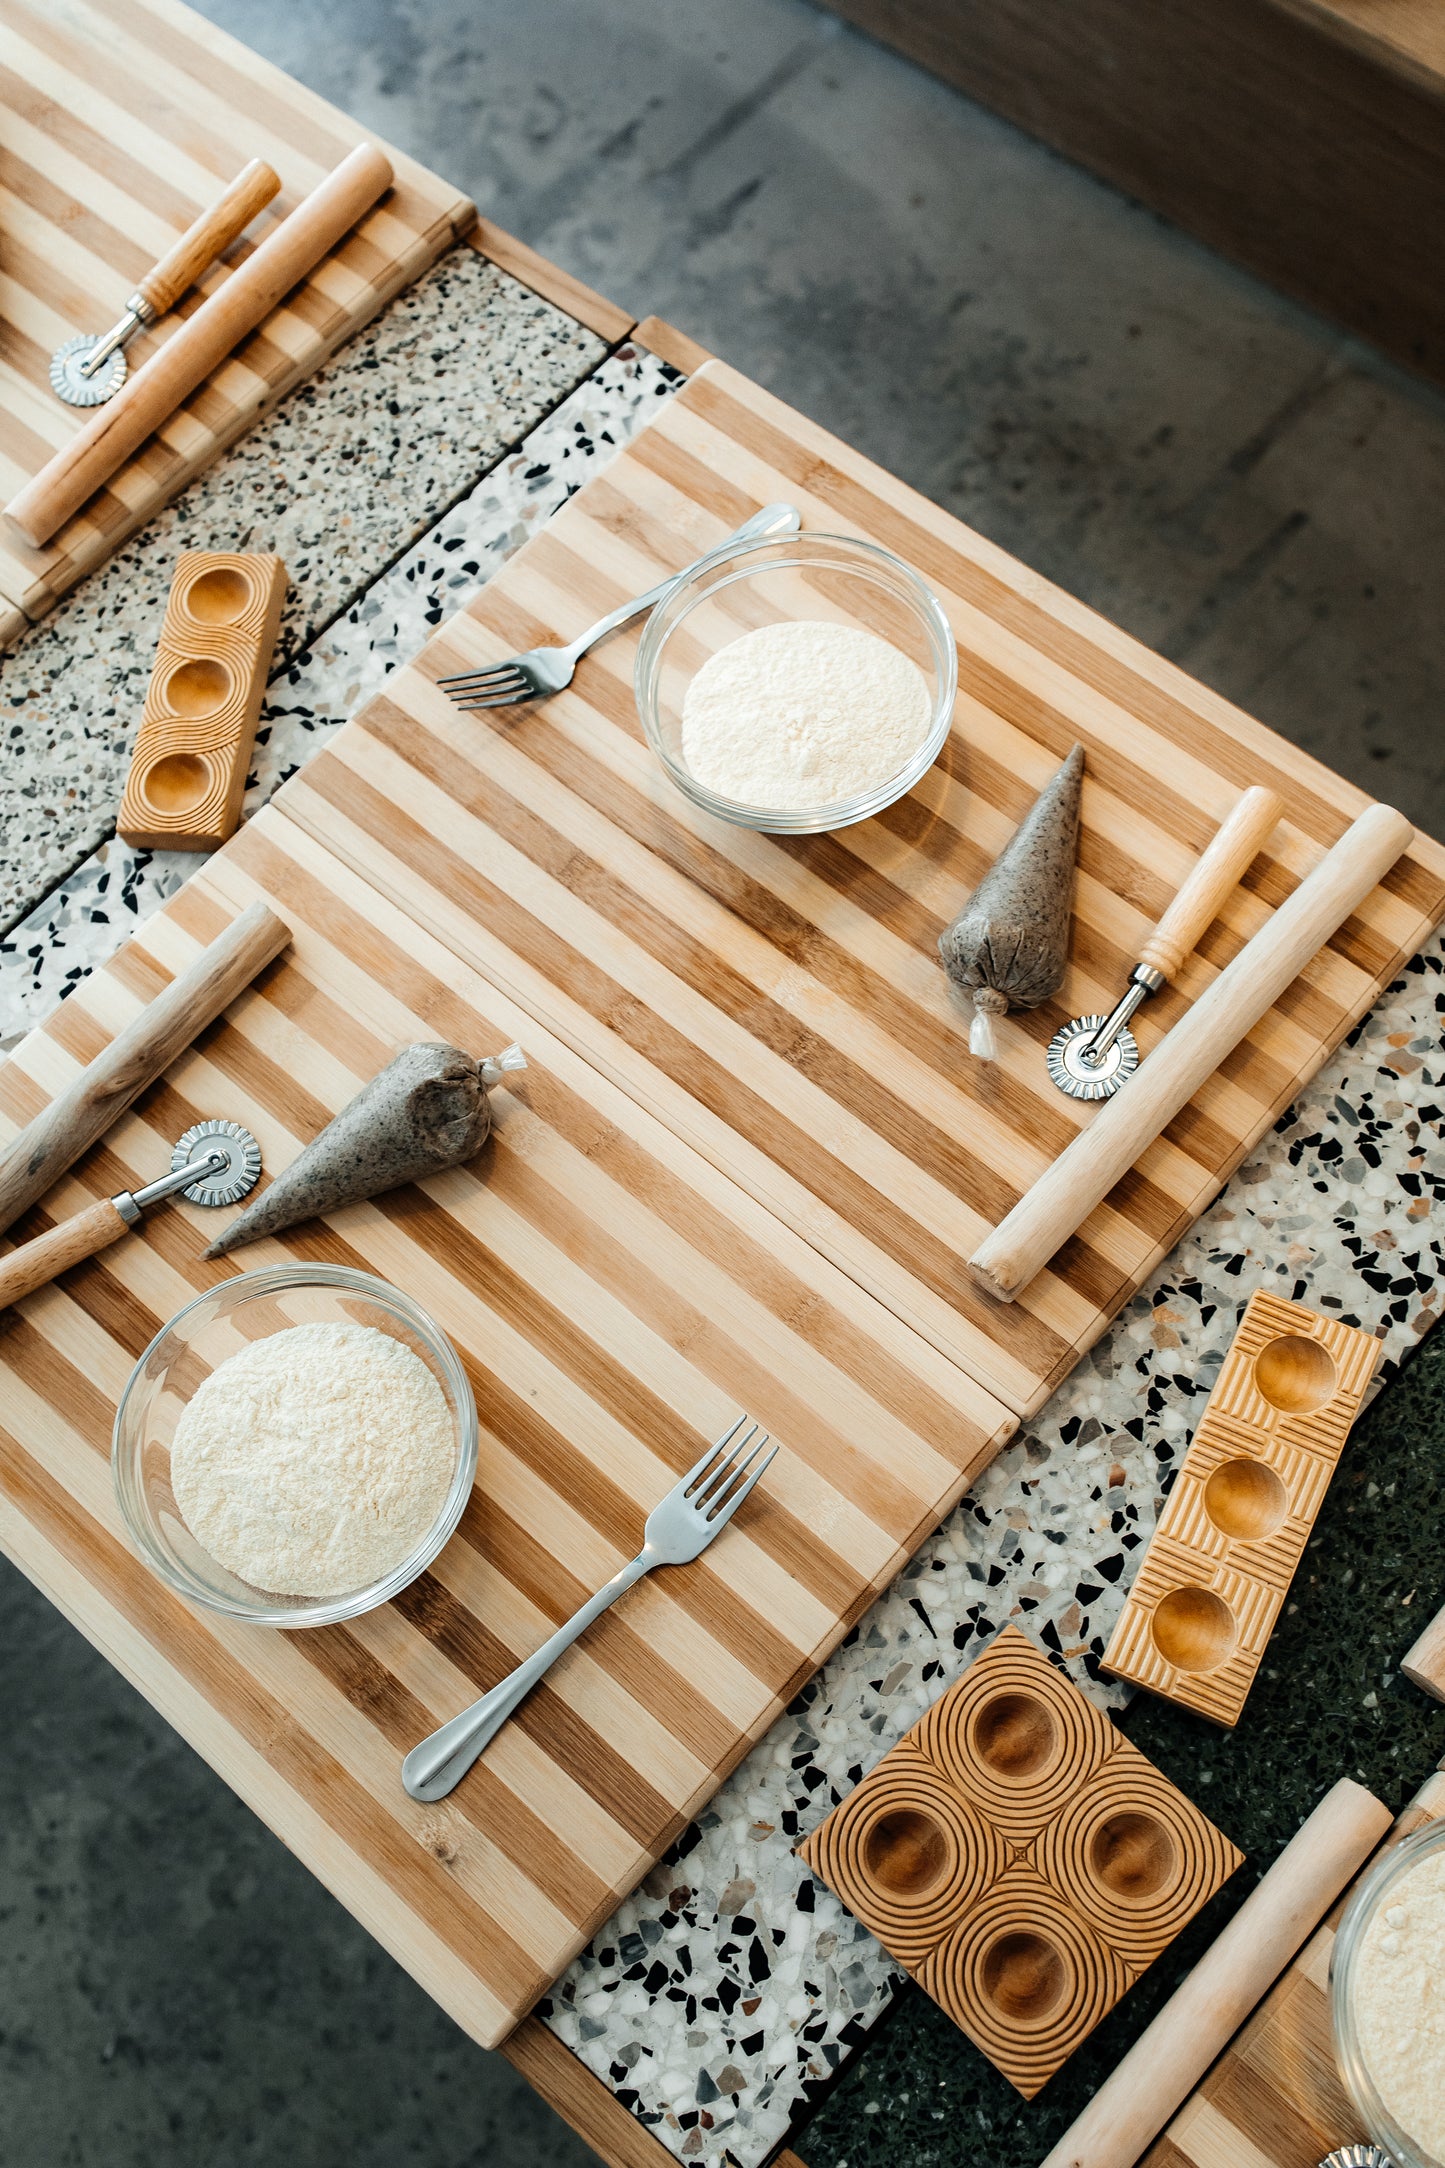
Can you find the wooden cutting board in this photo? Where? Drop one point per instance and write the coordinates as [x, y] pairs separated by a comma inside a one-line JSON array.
[[617, 1303], [779, 1002], [120, 120], [1274, 2098]]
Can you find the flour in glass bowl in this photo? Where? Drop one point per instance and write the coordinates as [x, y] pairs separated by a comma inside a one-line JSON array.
[[314, 1461], [1399, 2002], [803, 714]]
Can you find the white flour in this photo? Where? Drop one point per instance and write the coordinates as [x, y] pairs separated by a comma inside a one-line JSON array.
[[1399, 2001], [313, 1461], [803, 714]]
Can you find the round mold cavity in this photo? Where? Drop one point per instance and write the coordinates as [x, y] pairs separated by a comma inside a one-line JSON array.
[[199, 687], [1194, 1630], [1133, 1855], [221, 596], [1015, 1735], [1245, 1499], [907, 1852], [1023, 1975], [1295, 1374], [178, 783]]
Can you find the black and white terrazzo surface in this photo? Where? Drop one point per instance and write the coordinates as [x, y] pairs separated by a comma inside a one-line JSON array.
[[730, 1985]]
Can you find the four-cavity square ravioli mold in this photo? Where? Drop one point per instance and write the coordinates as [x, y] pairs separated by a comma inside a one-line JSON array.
[[1235, 1525], [188, 771], [1021, 1859]]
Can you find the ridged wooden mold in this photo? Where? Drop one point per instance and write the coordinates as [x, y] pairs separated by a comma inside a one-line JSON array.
[[1016, 1737], [1021, 1859], [1235, 1525], [910, 1853], [1133, 1856], [1025, 1977], [188, 772]]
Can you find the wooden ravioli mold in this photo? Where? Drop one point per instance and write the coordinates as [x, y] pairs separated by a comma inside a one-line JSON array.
[[1021, 1859], [1234, 1527], [188, 772]]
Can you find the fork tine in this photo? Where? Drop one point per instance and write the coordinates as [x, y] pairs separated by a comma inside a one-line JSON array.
[[740, 1466], [730, 1504], [492, 682], [474, 677], [483, 681], [700, 1467], [467, 705], [719, 1481], [461, 694], [722, 1470]]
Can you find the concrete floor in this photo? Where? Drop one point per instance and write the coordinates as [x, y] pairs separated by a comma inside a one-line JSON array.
[[1247, 490]]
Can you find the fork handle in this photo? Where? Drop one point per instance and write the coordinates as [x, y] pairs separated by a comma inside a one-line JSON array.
[[773, 519], [438, 1765]]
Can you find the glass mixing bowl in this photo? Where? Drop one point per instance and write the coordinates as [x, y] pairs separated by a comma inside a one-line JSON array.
[[186, 1351], [747, 584], [1374, 1893]]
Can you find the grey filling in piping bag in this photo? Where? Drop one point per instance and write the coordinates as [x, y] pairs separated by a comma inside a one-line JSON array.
[[427, 1110], [1009, 946]]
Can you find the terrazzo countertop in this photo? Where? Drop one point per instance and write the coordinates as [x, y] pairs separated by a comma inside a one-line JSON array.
[[729, 1988]]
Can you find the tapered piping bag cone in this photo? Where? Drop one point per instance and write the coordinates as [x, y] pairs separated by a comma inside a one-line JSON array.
[[427, 1110], [1009, 947]]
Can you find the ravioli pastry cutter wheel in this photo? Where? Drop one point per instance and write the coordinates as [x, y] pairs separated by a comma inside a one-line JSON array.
[[1093, 1056], [216, 1162]]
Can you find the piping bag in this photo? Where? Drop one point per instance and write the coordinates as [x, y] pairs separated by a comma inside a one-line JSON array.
[[1009, 946], [427, 1110]]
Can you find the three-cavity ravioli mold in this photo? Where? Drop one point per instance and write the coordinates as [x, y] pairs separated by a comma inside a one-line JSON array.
[[1234, 1528], [1020, 1858], [188, 772]]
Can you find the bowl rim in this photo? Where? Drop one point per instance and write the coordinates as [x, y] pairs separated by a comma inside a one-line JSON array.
[[322, 1610], [842, 812], [1379, 1877]]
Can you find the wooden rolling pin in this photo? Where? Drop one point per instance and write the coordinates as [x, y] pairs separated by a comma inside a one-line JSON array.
[[203, 341], [136, 1057], [1424, 1662], [1087, 1169], [1202, 2016]]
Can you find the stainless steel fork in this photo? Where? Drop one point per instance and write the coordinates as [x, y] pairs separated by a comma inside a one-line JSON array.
[[678, 1530], [547, 669]]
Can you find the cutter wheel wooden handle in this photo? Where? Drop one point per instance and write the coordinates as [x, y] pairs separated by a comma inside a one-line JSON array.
[[1092, 1056]]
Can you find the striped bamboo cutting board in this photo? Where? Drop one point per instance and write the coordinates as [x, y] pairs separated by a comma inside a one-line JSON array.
[[779, 1002], [617, 1301], [120, 120], [1274, 2099]]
